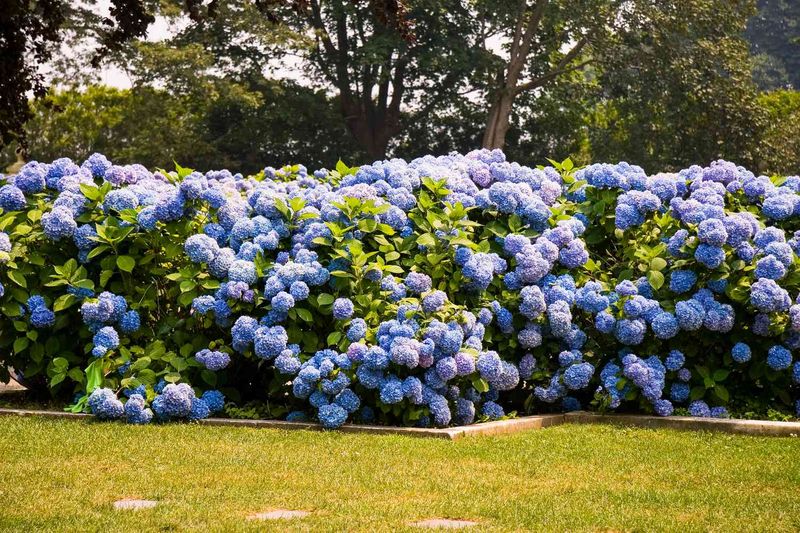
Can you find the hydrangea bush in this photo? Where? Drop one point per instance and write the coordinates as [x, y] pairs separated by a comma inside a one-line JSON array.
[[441, 291]]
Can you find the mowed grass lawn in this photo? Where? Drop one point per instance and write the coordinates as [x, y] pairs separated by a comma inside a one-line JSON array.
[[65, 475]]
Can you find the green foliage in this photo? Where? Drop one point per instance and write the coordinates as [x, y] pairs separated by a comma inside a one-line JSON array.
[[233, 126], [774, 35], [677, 87], [781, 137]]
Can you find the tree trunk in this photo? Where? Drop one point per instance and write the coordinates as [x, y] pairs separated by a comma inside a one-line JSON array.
[[497, 122], [371, 133]]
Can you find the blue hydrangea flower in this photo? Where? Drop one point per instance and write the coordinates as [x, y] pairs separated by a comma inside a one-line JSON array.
[[332, 416], [214, 399], [12, 198], [135, 410], [779, 358], [417, 282], [342, 308], [492, 411], [682, 281], [433, 301], [213, 360], [663, 407], [58, 224], [679, 392], [201, 248], [577, 376], [740, 352], [665, 325], [106, 338], [241, 270], [699, 408], [104, 404], [767, 296], [675, 360], [709, 255]]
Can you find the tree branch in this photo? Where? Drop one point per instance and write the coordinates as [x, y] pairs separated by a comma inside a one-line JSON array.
[[518, 60], [523, 5], [541, 80]]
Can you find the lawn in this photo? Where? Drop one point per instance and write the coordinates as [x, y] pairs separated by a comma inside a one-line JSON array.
[[65, 475]]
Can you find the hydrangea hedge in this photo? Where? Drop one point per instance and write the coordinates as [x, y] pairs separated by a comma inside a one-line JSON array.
[[443, 291]]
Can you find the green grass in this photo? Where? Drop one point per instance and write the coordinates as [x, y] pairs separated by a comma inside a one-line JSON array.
[[64, 475]]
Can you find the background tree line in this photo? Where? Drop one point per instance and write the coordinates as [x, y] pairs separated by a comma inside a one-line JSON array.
[[661, 84]]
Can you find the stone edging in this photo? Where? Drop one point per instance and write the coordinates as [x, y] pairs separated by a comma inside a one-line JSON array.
[[500, 427], [725, 425]]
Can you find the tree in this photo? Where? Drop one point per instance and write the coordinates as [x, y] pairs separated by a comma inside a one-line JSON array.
[[781, 136], [774, 35], [32, 32], [543, 41], [234, 127], [28, 31], [677, 87], [145, 126], [377, 70], [551, 124]]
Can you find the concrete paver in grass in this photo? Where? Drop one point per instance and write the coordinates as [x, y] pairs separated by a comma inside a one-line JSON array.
[[279, 514], [443, 523], [133, 504]]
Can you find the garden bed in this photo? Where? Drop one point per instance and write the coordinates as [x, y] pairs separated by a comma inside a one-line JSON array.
[[441, 292]]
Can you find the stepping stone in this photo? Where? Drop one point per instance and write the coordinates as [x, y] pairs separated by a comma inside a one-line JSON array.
[[128, 503], [278, 514], [443, 523]]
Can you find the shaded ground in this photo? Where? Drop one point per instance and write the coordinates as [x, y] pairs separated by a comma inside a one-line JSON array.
[[65, 475]]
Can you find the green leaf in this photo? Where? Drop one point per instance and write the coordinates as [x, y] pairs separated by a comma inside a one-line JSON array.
[[209, 377], [64, 301], [658, 264], [480, 384], [140, 364], [20, 344], [722, 393], [17, 278], [126, 263], [305, 314], [172, 377], [325, 299], [721, 374], [697, 393], [187, 285], [105, 275], [90, 191], [334, 337], [426, 239], [94, 375], [655, 278], [97, 250], [75, 374]]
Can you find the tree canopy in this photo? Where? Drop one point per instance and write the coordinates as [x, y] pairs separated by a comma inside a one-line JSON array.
[[661, 84]]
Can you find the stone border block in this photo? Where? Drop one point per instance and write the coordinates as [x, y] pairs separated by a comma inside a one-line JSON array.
[[690, 423]]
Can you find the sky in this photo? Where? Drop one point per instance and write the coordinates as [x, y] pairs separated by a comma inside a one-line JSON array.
[[158, 31]]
